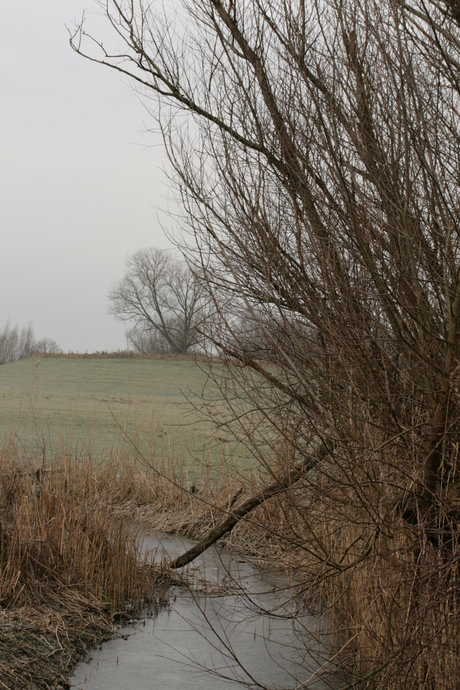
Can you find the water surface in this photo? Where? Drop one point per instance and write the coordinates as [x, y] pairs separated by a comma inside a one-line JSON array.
[[243, 615]]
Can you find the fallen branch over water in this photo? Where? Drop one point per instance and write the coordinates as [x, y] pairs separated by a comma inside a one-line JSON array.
[[287, 480]]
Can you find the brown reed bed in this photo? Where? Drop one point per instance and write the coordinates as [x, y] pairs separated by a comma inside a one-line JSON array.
[[386, 592], [70, 566]]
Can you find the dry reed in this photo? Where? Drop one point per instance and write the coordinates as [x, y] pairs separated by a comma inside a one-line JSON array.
[[385, 591], [70, 560], [70, 563]]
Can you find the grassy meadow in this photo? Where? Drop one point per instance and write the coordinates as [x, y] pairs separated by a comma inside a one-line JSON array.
[[100, 406]]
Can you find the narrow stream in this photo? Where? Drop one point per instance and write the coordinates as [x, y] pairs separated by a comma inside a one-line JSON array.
[[195, 644]]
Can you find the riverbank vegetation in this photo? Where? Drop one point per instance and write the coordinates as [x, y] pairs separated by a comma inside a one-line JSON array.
[[70, 565]]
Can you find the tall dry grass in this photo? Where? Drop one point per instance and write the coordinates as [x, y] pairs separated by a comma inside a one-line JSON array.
[[386, 592], [70, 562]]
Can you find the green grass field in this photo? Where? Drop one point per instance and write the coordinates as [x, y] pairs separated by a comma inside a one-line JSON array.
[[99, 406]]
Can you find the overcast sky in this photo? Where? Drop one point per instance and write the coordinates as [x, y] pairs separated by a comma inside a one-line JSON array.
[[81, 180]]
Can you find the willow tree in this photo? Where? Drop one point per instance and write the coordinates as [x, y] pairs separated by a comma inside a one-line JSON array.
[[316, 148]]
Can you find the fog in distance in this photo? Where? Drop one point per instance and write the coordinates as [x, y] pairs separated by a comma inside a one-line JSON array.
[[81, 180]]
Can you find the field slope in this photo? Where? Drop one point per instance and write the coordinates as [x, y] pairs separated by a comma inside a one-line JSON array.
[[97, 406]]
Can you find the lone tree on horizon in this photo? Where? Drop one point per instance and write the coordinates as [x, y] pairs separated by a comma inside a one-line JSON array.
[[163, 299]]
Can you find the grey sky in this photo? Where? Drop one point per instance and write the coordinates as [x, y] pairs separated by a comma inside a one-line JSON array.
[[80, 179]]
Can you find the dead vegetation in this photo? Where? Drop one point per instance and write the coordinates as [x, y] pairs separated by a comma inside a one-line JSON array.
[[70, 565], [384, 589]]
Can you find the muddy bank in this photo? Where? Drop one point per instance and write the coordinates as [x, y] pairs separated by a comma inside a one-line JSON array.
[[41, 642]]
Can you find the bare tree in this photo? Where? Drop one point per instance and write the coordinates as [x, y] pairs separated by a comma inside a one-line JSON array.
[[47, 346], [15, 344], [319, 169], [163, 298], [18, 344]]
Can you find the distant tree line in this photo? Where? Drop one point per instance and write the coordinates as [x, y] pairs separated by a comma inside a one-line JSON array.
[[18, 344]]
